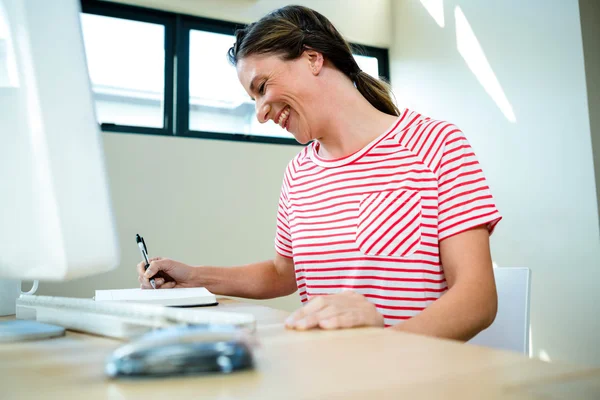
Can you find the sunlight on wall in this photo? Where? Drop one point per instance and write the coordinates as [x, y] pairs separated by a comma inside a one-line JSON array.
[[8, 64], [544, 356], [435, 8], [470, 49]]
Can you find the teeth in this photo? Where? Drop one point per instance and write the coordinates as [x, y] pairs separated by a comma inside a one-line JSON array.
[[283, 117]]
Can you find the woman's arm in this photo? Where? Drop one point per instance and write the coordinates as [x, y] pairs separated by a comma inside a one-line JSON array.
[[470, 304], [261, 280]]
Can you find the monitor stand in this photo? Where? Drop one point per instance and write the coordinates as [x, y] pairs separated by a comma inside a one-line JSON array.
[[19, 330]]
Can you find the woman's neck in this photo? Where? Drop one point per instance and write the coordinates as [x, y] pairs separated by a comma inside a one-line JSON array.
[[351, 123]]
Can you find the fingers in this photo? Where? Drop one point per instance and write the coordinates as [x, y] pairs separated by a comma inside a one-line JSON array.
[[311, 321], [340, 321], [144, 283], [314, 305], [159, 282], [336, 311], [329, 318], [141, 270], [141, 267], [156, 264]]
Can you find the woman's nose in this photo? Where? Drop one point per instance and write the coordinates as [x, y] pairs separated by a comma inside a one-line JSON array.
[[262, 112]]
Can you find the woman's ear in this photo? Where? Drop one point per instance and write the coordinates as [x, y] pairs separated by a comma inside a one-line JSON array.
[[315, 60]]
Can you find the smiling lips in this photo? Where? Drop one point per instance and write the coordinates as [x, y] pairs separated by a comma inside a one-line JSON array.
[[283, 117]]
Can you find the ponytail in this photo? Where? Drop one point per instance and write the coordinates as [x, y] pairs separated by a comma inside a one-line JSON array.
[[376, 91]]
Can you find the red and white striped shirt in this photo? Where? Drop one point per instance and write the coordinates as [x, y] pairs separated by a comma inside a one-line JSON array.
[[372, 221]]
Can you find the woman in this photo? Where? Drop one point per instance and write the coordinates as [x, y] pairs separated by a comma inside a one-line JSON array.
[[384, 219]]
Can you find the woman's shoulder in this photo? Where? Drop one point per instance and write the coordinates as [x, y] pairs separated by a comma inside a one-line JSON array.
[[416, 130], [299, 160]]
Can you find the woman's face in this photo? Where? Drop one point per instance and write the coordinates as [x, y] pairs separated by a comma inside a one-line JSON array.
[[285, 92]]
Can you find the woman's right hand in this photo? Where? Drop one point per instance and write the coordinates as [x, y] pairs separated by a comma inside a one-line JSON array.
[[167, 274]]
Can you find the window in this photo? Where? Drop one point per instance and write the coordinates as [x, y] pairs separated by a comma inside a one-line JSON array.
[[368, 64], [164, 73], [126, 63], [218, 103]]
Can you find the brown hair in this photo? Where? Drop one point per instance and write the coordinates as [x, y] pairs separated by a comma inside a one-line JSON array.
[[290, 30]]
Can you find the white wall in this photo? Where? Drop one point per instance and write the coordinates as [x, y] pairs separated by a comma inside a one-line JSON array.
[[540, 168], [205, 201], [360, 21], [197, 201]]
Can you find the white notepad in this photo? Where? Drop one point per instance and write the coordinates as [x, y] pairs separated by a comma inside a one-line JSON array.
[[167, 297]]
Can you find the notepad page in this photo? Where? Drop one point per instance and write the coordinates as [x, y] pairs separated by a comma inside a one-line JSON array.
[[157, 296]]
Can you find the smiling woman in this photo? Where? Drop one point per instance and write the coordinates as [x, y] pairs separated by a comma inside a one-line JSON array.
[[384, 218], [272, 53]]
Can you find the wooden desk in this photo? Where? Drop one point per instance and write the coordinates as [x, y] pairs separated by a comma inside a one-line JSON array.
[[351, 364]]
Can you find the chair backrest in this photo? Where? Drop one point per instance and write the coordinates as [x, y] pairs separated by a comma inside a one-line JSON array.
[[510, 329]]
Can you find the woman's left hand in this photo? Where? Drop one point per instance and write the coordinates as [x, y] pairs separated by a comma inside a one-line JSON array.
[[343, 310]]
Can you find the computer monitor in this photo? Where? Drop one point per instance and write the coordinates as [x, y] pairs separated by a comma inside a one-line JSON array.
[[56, 221]]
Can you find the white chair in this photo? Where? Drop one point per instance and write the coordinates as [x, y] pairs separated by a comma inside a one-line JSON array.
[[510, 329]]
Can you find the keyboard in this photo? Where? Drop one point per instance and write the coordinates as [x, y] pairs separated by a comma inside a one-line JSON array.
[[122, 320]]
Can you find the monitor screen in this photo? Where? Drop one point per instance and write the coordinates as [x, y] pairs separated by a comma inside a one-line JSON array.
[[56, 221]]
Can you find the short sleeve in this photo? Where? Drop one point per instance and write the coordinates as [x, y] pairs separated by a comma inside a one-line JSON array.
[[283, 238], [464, 197]]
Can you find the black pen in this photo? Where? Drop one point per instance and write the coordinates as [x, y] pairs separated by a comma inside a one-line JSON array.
[[142, 246]]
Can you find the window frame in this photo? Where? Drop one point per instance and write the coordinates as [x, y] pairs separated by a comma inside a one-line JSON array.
[[155, 17], [176, 106]]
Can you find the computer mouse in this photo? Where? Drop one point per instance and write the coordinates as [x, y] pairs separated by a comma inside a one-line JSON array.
[[183, 350]]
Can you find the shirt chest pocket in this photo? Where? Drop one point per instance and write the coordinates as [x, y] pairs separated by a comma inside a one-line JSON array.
[[389, 223]]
